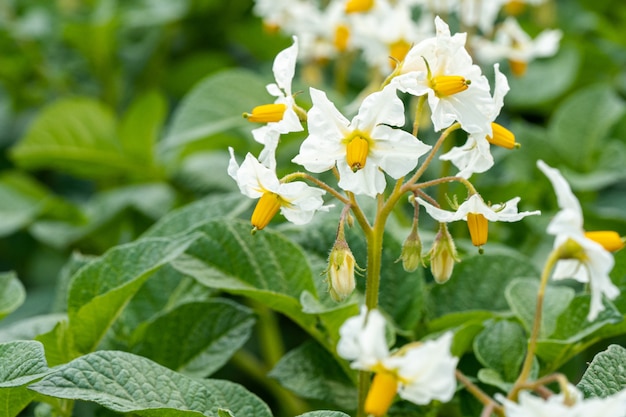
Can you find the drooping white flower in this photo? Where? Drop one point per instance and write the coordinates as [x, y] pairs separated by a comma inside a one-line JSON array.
[[296, 200], [511, 42], [595, 262], [418, 372], [475, 155], [362, 147], [457, 90]]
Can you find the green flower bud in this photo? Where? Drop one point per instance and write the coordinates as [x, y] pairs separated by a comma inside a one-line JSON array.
[[411, 254], [442, 255], [341, 264]]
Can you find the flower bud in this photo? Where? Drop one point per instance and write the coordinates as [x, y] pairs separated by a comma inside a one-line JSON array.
[[442, 255], [411, 254], [340, 271]]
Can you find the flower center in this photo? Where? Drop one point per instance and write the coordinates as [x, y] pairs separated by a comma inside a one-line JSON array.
[[518, 68], [478, 228], [357, 6], [267, 113], [446, 85], [356, 153], [266, 208], [397, 51], [501, 136], [609, 239], [514, 7], [381, 394], [342, 35]]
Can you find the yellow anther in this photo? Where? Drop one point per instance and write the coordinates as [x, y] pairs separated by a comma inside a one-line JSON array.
[[381, 394], [358, 6], [342, 35], [397, 51], [266, 208], [478, 228], [267, 113], [446, 85], [514, 7], [502, 137], [356, 153], [518, 68], [609, 239]]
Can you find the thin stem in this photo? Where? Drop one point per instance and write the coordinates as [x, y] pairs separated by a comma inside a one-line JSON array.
[[363, 388], [319, 183], [418, 114], [478, 393], [270, 338], [466, 183], [520, 383]]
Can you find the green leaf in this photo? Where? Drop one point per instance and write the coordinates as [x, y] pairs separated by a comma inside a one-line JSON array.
[[127, 383], [211, 207], [464, 325], [216, 105], [501, 346], [21, 201], [22, 362], [521, 294], [311, 372], [606, 374], [478, 283], [201, 336], [140, 127], [75, 136], [324, 413], [29, 328], [265, 266], [12, 293], [574, 333], [100, 290], [570, 124]]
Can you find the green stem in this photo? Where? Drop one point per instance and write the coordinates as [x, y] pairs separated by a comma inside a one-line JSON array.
[[270, 338], [555, 255], [418, 114], [478, 393], [319, 183]]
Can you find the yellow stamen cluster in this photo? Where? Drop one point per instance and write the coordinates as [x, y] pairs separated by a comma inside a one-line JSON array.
[[342, 35], [478, 228], [502, 137], [266, 208], [447, 85], [359, 6], [381, 394], [514, 7], [397, 52], [356, 153], [609, 239], [267, 113], [518, 68]]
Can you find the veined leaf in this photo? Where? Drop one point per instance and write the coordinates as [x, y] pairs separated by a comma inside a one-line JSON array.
[[12, 293], [606, 374]]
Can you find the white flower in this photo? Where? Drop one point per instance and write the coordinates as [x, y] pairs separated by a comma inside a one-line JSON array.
[[362, 147], [457, 90], [595, 264], [362, 340], [425, 371], [418, 372], [512, 43], [475, 155], [296, 200]]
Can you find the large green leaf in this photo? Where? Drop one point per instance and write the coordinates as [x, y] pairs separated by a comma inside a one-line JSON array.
[[12, 293], [606, 374], [521, 294], [201, 336], [76, 136], [479, 283], [323, 413], [100, 290], [571, 124], [312, 372], [265, 266], [501, 346], [128, 383], [216, 105], [22, 362]]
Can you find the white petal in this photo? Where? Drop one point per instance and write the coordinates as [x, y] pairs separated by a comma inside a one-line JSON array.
[[566, 199], [368, 181], [362, 339], [473, 157], [396, 151], [440, 215], [377, 108], [284, 66], [303, 200]]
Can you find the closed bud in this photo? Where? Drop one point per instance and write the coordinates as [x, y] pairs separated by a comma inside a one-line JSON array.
[[411, 254], [341, 264], [442, 255]]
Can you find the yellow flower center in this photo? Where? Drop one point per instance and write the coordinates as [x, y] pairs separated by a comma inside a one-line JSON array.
[[518, 68], [502, 137], [381, 394], [397, 51], [478, 228], [356, 153], [609, 239], [266, 208], [446, 85], [267, 113], [342, 35], [357, 6], [514, 7]]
